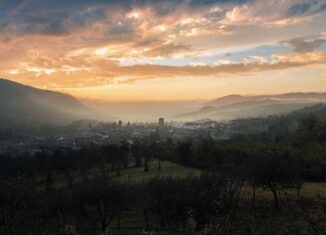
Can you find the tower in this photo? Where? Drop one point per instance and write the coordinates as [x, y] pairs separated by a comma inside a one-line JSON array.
[[160, 123]]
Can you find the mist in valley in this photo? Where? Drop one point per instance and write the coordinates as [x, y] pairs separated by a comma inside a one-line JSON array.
[[140, 111]]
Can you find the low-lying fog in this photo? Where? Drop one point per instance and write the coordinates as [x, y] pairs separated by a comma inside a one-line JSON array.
[[141, 111]]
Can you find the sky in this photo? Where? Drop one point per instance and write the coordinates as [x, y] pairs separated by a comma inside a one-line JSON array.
[[164, 50]]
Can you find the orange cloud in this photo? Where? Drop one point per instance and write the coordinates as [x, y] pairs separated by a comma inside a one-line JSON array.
[[83, 72], [83, 45]]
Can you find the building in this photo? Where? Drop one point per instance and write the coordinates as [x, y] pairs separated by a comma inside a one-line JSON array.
[[120, 124], [161, 123]]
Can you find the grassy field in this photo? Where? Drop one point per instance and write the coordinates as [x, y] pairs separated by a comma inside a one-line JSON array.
[[309, 189], [130, 174], [314, 189], [137, 174], [132, 222]]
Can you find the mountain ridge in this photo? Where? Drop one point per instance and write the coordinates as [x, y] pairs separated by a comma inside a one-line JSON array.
[[239, 106], [233, 98], [28, 104]]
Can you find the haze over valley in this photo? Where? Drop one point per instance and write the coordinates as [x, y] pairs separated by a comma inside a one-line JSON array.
[[27, 104]]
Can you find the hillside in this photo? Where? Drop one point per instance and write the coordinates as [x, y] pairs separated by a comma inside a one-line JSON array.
[[296, 96], [237, 106], [20, 103], [319, 110]]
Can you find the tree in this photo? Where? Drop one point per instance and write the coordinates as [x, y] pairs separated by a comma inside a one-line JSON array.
[[184, 151], [98, 200], [137, 154], [114, 155], [275, 169]]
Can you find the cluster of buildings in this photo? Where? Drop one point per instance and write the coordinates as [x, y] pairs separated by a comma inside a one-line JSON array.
[[85, 132]]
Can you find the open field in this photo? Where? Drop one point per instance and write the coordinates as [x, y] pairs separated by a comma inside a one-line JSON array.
[[129, 174], [309, 189], [137, 174]]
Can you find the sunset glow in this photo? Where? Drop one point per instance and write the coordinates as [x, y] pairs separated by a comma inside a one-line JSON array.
[[164, 50]]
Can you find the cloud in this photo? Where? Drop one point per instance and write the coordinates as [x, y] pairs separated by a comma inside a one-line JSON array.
[[84, 73], [257, 64], [307, 7], [305, 44], [167, 50], [61, 17], [300, 8], [52, 22], [80, 43], [274, 13], [56, 17]]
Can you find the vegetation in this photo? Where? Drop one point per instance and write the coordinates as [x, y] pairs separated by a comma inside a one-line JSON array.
[[257, 184]]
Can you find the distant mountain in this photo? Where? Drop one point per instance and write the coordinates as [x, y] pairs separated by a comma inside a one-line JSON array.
[[25, 104], [306, 97], [226, 100], [237, 106]]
